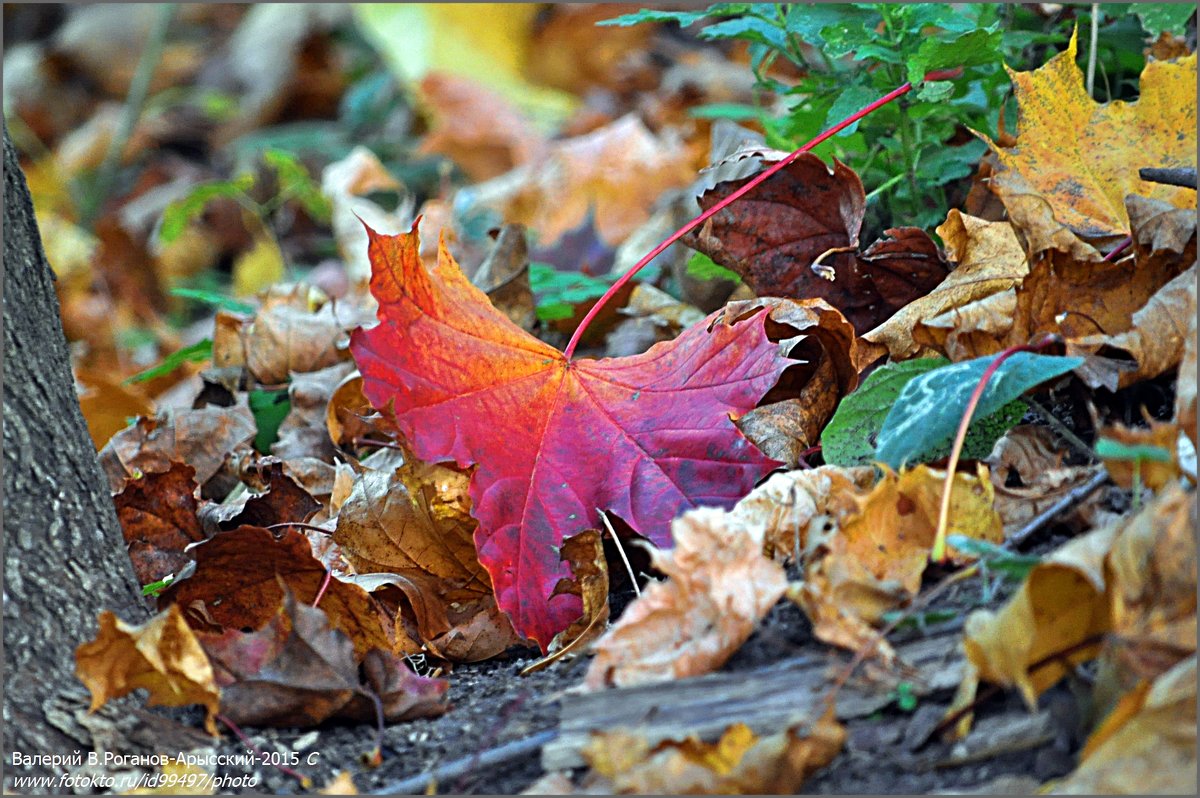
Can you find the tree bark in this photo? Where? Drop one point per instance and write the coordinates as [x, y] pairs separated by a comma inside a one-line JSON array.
[[64, 558]]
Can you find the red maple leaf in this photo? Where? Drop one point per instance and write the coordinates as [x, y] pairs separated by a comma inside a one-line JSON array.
[[556, 441]]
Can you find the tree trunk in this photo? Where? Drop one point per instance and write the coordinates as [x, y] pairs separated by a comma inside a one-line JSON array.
[[64, 556]]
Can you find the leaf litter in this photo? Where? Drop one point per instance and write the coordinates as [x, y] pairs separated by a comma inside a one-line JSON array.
[[316, 580]]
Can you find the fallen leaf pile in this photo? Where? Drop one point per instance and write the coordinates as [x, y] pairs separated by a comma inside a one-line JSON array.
[[370, 460]]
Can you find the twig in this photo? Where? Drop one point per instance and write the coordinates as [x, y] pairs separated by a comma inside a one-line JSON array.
[[1062, 429], [1091, 69], [416, 785], [1182, 177], [139, 87], [1072, 497], [1126, 242]]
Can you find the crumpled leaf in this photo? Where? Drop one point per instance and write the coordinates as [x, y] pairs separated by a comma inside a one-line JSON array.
[[476, 127], [1028, 475], [289, 336], [1147, 746], [299, 671], [808, 214], [1075, 161], [414, 522], [305, 431], [654, 429], [873, 561], [789, 419], [719, 587], [792, 504], [589, 581], [616, 172], [279, 498], [989, 259], [201, 438], [346, 183], [161, 655], [240, 578], [504, 277], [158, 519], [737, 763]]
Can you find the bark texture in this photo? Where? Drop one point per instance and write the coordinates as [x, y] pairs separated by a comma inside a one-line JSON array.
[[64, 557]]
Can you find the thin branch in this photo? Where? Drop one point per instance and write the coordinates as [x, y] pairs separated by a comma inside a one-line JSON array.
[[1091, 68], [417, 785], [1071, 498]]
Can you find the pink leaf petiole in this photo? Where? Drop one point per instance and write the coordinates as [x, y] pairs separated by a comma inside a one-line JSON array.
[[944, 74]]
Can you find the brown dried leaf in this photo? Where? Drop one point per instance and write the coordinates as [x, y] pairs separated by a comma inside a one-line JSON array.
[[240, 578], [283, 339], [738, 763], [304, 432], [298, 670], [617, 171], [476, 127], [720, 585], [158, 519], [589, 581], [1028, 475], [874, 561], [989, 260], [807, 215], [162, 655], [280, 498], [201, 438], [108, 404], [504, 277]]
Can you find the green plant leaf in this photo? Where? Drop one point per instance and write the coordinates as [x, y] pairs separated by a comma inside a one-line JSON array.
[[848, 102], [559, 292], [1011, 564], [296, 183], [936, 91], [702, 267], [684, 18], [969, 49], [215, 299], [181, 212], [195, 353], [269, 409], [748, 28], [930, 407], [849, 439], [1111, 449], [1159, 17]]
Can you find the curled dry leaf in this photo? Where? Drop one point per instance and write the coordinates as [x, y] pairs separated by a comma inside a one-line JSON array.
[[202, 438], [413, 523], [298, 670], [284, 338], [618, 172], [240, 579], [797, 237], [737, 763], [304, 431], [795, 507], [874, 560], [161, 655], [346, 183], [589, 581], [989, 260], [789, 419], [279, 499], [349, 417], [158, 519], [719, 587], [522, 413], [1075, 161], [1028, 475], [504, 277], [1147, 745]]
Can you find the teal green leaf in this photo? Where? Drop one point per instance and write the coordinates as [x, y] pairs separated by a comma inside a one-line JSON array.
[[928, 411], [849, 439], [1110, 449], [1000, 560], [684, 18], [1159, 17]]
